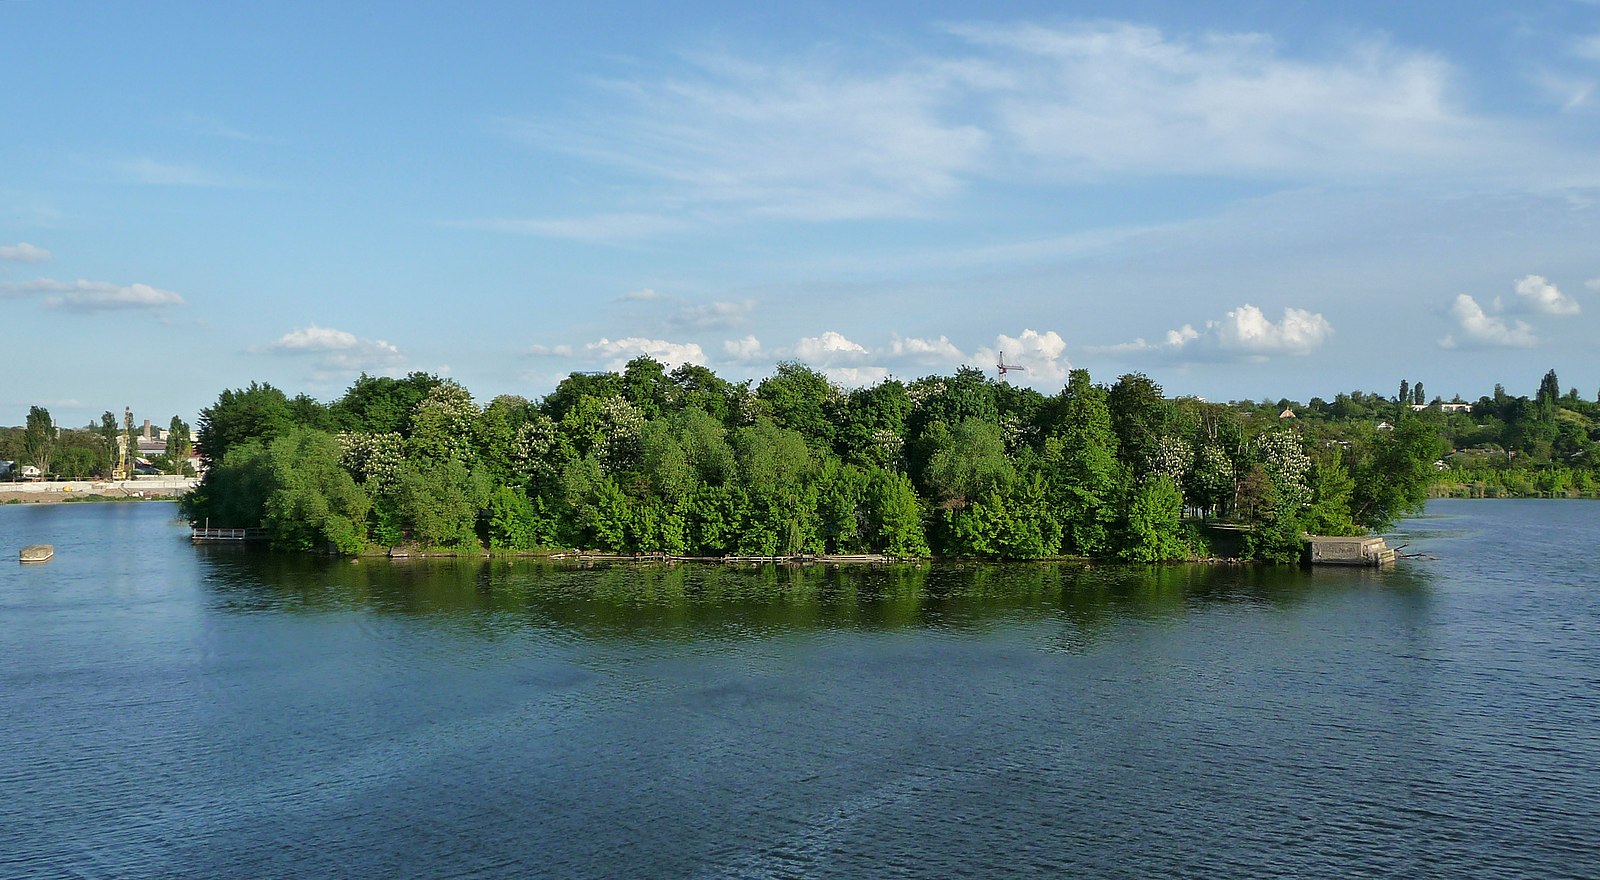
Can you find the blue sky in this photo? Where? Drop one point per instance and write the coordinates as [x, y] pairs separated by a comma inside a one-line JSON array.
[[1242, 200]]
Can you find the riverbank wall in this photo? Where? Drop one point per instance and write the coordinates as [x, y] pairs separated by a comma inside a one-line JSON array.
[[47, 492]]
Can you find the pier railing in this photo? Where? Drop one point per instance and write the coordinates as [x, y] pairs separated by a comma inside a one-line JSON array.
[[207, 535]]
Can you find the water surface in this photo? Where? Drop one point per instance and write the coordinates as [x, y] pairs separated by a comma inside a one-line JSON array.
[[172, 711]]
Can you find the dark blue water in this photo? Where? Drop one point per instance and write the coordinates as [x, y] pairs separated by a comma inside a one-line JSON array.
[[171, 711]]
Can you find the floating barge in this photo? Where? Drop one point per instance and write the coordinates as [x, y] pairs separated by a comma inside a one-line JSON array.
[[226, 536], [37, 553], [1371, 552]]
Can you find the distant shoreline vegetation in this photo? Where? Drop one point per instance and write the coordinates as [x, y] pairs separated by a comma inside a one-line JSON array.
[[685, 463]]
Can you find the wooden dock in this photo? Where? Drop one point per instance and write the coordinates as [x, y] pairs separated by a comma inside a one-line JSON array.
[[226, 536]]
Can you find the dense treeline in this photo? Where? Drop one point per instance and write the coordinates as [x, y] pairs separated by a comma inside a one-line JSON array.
[[95, 451], [687, 463], [1547, 445]]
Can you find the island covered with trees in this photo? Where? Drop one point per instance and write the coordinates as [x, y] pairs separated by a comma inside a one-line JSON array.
[[684, 463]]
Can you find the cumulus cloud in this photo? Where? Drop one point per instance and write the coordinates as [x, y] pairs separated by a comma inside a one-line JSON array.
[[832, 348], [1243, 332], [562, 350], [643, 295], [718, 315], [1479, 329], [339, 354], [746, 349], [1543, 297], [1041, 356], [617, 352], [22, 252], [1248, 329], [92, 296], [930, 352]]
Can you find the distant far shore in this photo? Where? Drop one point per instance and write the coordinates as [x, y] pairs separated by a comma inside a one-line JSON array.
[[147, 488]]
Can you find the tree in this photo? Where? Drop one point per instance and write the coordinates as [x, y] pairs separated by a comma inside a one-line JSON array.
[[382, 405], [1139, 415], [313, 501], [1392, 472], [801, 399], [110, 437], [259, 412], [178, 446], [1080, 461], [445, 426], [1152, 528], [39, 439], [970, 461]]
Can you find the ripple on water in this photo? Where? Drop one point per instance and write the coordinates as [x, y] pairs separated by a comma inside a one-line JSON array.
[[174, 712]]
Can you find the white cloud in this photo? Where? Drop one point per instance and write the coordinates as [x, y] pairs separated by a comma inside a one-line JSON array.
[[22, 252], [562, 350], [832, 348], [1593, 284], [718, 315], [617, 352], [314, 338], [794, 138], [1110, 97], [743, 350], [933, 352], [1244, 331], [1248, 329], [339, 354], [1040, 356], [1480, 329], [92, 296], [644, 295], [827, 136], [1543, 297]]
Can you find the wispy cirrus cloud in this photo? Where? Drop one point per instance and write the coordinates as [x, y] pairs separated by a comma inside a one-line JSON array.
[[822, 136], [22, 252], [91, 296]]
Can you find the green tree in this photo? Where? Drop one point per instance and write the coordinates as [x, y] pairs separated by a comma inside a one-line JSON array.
[[382, 405], [178, 446], [802, 399], [259, 412], [1152, 528], [969, 461], [1139, 416], [313, 501], [39, 439], [111, 442], [1080, 462]]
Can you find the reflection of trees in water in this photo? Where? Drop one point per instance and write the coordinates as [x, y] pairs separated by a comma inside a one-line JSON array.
[[625, 600]]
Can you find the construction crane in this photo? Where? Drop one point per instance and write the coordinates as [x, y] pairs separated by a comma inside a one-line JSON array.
[[1005, 368]]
